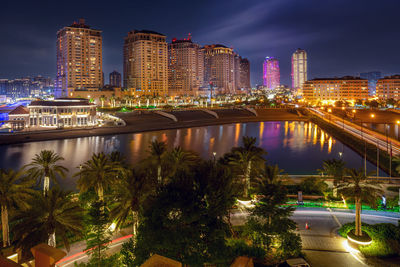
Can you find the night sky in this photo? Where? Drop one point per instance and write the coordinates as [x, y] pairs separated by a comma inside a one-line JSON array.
[[340, 36]]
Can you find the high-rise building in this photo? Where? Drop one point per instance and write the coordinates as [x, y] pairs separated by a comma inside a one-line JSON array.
[[372, 77], [244, 73], [115, 79], [146, 63], [185, 67], [79, 59], [329, 90], [219, 69], [299, 68], [271, 73], [388, 87]]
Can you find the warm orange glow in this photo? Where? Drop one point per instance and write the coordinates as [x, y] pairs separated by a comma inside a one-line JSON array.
[[398, 122], [329, 110], [372, 115], [354, 111], [342, 108]]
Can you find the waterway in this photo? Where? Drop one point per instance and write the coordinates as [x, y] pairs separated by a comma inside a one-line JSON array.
[[297, 147]]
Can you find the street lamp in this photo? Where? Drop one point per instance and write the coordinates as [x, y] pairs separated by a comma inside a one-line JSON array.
[[365, 144]]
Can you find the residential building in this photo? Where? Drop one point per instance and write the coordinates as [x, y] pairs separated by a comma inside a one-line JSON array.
[[372, 77], [388, 87], [271, 73], [244, 74], [115, 79], [299, 68], [219, 69], [79, 59], [185, 67], [329, 90], [146, 63]]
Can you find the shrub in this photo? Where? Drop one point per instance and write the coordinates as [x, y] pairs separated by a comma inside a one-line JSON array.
[[238, 247], [385, 239]]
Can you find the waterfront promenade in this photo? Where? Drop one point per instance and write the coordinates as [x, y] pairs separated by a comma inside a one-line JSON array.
[[142, 121]]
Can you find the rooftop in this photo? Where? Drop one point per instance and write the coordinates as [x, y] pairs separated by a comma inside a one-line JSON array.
[[60, 102], [146, 31]]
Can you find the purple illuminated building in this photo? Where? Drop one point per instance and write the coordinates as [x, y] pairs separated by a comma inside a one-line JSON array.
[[271, 73]]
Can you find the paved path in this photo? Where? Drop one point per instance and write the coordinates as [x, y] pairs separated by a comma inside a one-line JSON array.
[[321, 243]]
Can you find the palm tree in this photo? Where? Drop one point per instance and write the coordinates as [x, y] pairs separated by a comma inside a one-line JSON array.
[[179, 159], [45, 166], [129, 194], [14, 192], [246, 159], [268, 184], [102, 99], [270, 175], [356, 185], [98, 173], [157, 151], [47, 216], [334, 168]]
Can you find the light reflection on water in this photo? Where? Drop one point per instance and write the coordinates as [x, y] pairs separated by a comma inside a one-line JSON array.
[[297, 147]]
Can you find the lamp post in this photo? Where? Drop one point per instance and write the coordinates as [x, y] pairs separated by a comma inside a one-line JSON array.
[[377, 151], [365, 144]]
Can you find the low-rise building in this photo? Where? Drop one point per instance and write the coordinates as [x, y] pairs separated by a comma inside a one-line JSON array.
[[62, 112], [329, 90], [388, 87]]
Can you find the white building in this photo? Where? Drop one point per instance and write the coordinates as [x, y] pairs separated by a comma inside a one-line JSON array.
[[299, 68]]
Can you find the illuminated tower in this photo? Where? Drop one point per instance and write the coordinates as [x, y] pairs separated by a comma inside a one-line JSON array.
[[79, 59], [299, 68], [271, 74], [219, 68], [146, 63], [185, 67]]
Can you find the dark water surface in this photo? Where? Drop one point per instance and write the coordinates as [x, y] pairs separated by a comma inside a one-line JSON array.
[[297, 147]]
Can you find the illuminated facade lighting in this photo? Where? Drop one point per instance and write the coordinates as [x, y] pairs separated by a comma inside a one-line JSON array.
[[271, 73], [79, 59], [334, 89], [388, 87], [146, 63], [299, 68]]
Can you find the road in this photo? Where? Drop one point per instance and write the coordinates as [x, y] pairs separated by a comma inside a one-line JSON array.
[[369, 136], [321, 244]]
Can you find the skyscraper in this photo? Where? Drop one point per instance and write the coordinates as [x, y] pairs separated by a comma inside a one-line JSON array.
[[244, 73], [299, 68], [115, 79], [271, 73], [372, 77], [219, 68], [145, 63], [79, 59], [185, 67]]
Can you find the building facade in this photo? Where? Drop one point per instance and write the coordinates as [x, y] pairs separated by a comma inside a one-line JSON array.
[[244, 74], [299, 68], [79, 59], [330, 90], [115, 79], [146, 63], [372, 78], [185, 67], [220, 73], [62, 113], [388, 87], [271, 73]]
